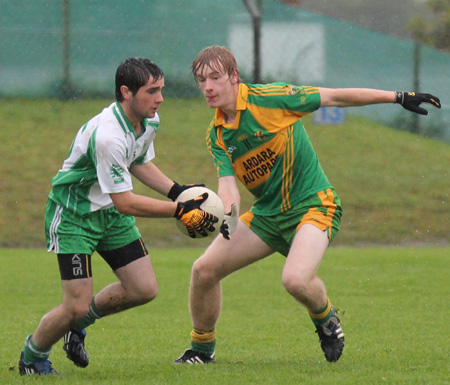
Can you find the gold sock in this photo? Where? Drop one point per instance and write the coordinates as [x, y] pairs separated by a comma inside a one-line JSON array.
[[203, 337], [323, 315]]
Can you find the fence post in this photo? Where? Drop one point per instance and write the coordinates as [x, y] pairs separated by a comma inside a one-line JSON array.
[[416, 82], [66, 84], [256, 18]]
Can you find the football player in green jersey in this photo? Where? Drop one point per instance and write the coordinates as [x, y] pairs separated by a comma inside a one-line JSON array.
[[91, 207], [257, 137]]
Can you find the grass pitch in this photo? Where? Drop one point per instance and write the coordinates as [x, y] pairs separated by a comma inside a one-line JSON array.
[[392, 304]]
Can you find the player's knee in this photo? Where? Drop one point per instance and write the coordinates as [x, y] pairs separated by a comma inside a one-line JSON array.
[[296, 284], [145, 293], [76, 311], [150, 293], [203, 274]]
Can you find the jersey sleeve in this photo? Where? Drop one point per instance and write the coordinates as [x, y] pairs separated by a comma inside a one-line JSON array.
[[148, 156], [287, 98], [112, 171], [300, 100], [221, 159]]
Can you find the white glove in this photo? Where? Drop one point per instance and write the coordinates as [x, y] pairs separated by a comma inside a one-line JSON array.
[[230, 222]]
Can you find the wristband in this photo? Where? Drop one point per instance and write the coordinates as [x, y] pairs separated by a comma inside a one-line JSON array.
[[179, 211], [399, 97], [175, 191]]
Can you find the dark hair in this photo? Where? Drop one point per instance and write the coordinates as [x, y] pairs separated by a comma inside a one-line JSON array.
[[135, 72]]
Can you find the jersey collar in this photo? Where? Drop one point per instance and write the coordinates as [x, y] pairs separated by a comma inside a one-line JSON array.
[[241, 105], [125, 123], [241, 102]]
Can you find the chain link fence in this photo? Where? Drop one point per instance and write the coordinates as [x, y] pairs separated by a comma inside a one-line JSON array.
[[71, 49]]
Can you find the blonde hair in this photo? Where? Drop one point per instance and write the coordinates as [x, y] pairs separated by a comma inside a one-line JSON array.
[[218, 58]]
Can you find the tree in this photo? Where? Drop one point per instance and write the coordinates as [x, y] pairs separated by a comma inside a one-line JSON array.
[[433, 29]]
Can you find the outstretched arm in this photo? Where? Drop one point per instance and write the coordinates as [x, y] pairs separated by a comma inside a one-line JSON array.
[[353, 97]]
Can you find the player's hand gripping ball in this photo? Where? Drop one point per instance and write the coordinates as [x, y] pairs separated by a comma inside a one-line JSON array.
[[213, 205]]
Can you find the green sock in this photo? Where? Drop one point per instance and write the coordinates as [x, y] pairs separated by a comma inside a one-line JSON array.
[[32, 353], [202, 347], [90, 318]]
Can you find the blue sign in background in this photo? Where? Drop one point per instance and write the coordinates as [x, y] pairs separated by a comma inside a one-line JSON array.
[[329, 115]]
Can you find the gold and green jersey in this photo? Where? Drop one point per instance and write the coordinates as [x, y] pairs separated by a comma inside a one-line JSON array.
[[267, 147]]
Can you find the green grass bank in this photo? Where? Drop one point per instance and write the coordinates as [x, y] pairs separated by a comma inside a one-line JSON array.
[[394, 185]]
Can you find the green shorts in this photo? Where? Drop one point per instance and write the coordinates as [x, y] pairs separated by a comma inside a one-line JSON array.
[[104, 230], [322, 210]]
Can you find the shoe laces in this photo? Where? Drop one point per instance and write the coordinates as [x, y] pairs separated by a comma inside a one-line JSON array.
[[331, 328]]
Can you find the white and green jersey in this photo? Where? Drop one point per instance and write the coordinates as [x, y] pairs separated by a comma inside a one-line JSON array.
[[100, 159]]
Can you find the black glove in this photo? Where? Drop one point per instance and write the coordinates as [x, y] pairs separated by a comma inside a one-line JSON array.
[[194, 218], [178, 189], [411, 101]]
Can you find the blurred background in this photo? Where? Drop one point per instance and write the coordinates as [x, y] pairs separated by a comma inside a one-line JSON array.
[[57, 65], [68, 49]]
